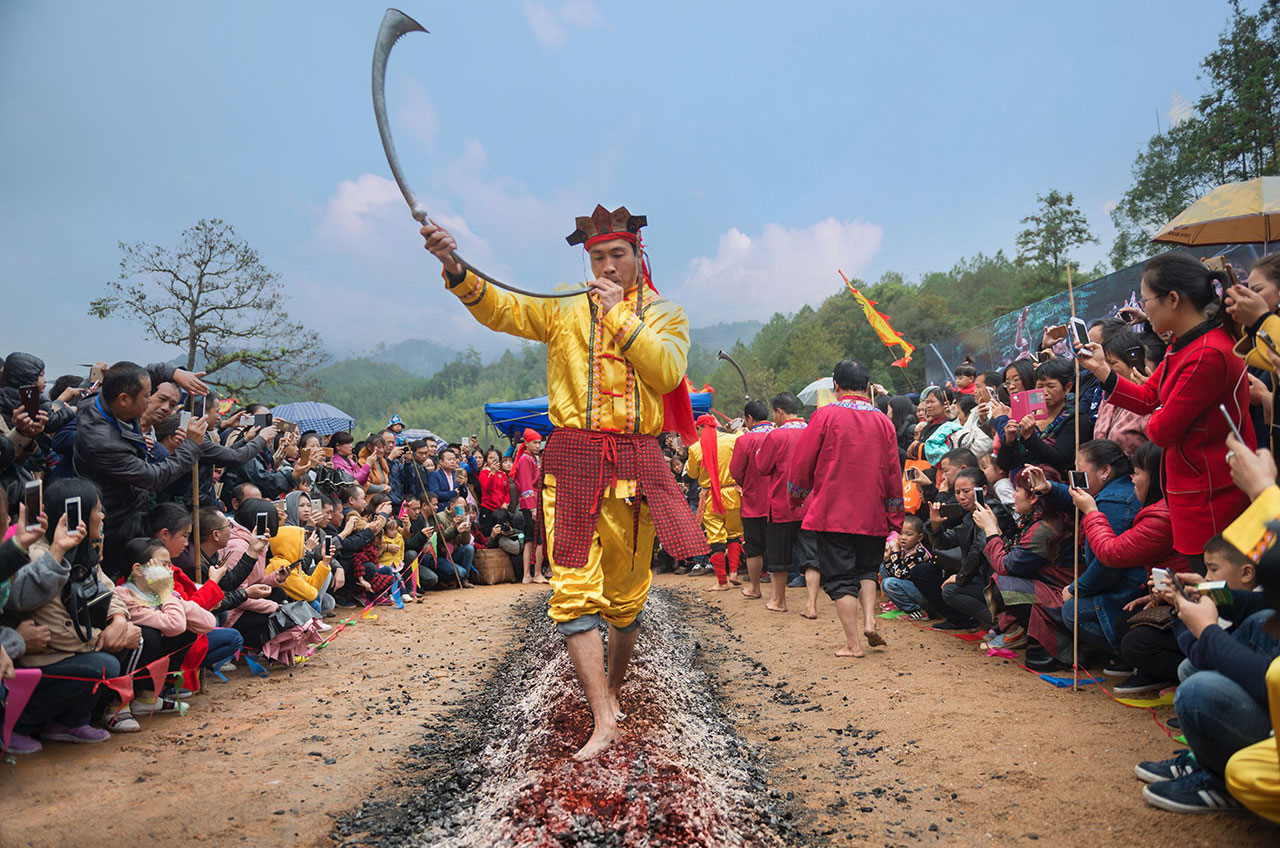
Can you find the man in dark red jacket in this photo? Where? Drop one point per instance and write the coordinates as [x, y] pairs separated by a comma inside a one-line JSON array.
[[755, 490], [785, 542], [846, 464]]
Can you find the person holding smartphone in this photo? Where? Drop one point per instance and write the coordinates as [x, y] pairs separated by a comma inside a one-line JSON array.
[[1125, 355], [1252, 306], [1199, 372]]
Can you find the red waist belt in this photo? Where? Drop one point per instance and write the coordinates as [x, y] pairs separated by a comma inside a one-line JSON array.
[[586, 464]]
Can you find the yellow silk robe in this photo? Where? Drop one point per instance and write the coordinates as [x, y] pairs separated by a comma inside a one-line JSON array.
[[604, 372]]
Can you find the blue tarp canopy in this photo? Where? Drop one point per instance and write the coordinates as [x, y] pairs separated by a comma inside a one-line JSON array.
[[512, 417]]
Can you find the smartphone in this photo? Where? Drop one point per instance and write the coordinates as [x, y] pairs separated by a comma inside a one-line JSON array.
[[260, 524], [262, 419], [951, 510], [1078, 479], [184, 418], [29, 397], [1222, 407], [328, 546], [1055, 333], [33, 497], [1135, 357], [96, 373], [73, 513], [459, 510], [1161, 579], [1079, 330], [1265, 338], [980, 497], [328, 452], [198, 406]]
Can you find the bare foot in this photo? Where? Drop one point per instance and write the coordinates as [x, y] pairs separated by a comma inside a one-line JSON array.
[[746, 593], [601, 738], [810, 614], [874, 639], [618, 714], [527, 579], [769, 606], [850, 652], [540, 579], [719, 587], [735, 580]]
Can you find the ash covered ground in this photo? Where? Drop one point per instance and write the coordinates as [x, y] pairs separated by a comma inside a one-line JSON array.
[[499, 769]]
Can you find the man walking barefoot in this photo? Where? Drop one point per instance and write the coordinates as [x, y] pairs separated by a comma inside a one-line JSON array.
[[755, 490], [846, 464], [615, 361], [786, 542]]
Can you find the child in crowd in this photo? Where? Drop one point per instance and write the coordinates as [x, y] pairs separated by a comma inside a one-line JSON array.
[[900, 557], [392, 554]]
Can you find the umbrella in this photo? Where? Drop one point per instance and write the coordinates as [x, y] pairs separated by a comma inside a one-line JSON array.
[[818, 393], [310, 415], [1235, 213]]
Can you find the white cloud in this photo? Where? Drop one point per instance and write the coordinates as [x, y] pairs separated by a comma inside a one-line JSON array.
[[777, 271], [1180, 109], [1108, 206], [354, 202], [552, 27]]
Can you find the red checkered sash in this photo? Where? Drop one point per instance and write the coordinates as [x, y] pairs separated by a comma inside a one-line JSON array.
[[586, 464]]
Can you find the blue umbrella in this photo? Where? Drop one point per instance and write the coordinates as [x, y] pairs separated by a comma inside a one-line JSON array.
[[311, 415]]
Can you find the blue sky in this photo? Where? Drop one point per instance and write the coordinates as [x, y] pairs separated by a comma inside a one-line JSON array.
[[768, 143]]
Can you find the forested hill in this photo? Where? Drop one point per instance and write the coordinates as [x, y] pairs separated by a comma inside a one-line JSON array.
[[788, 352]]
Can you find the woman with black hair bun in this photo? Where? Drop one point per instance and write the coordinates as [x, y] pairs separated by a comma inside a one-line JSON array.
[[1198, 373]]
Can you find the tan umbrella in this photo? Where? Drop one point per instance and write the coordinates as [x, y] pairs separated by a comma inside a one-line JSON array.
[[1235, 213]]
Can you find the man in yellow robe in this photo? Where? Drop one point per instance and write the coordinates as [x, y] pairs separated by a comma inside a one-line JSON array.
[[709, 459], [612, 356]]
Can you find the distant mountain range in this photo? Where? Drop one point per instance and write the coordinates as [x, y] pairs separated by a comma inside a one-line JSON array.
[[725, 336]]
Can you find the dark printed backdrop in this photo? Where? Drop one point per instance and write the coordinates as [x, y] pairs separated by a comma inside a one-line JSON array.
[[995, 344]]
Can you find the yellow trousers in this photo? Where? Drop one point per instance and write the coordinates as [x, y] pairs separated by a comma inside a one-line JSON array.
[[721, 528], [614, 584]]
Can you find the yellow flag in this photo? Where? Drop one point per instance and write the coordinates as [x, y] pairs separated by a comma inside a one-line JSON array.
[[880, 323]]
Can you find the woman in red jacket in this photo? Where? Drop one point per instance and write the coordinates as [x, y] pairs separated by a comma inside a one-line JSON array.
[[495, 485], [1182, 396]]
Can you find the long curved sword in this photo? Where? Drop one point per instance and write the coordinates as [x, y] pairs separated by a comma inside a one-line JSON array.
[[395, 24], [724, 357]]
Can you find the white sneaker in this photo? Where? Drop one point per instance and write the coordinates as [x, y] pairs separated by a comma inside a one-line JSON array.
[[322, 627], [123, 722], [159, 706]]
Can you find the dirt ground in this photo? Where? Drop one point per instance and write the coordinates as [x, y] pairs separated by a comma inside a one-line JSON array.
[[926, 741]]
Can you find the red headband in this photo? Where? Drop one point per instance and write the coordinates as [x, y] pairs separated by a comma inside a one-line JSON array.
[[632, 238]]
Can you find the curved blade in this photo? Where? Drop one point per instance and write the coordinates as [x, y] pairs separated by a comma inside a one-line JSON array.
[[395, 24], [722, 356]]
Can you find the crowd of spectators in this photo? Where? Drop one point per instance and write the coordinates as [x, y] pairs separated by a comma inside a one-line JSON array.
[[1114, 511], [155, 535], [1117, 505]]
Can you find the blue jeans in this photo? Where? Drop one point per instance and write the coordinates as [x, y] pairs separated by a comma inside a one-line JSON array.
[[1218, 718], [223, 644], [1217, 715], [68, 702], [902, 592], [461, 567], [1091, 631]]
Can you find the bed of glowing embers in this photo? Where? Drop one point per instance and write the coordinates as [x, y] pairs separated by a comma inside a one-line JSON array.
[[500, 770]]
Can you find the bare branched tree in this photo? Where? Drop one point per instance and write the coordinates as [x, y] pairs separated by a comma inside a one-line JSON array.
[[212, 297]]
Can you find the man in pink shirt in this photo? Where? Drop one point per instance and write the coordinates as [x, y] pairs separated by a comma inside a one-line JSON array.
[[785, 540], [846, 465], [755, 490]]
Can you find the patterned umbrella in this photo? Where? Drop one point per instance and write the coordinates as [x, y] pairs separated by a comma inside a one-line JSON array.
[[1235, 213], [311, 415]]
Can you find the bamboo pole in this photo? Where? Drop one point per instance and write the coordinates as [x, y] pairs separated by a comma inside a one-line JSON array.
[[195, 519], [1075, 560]]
